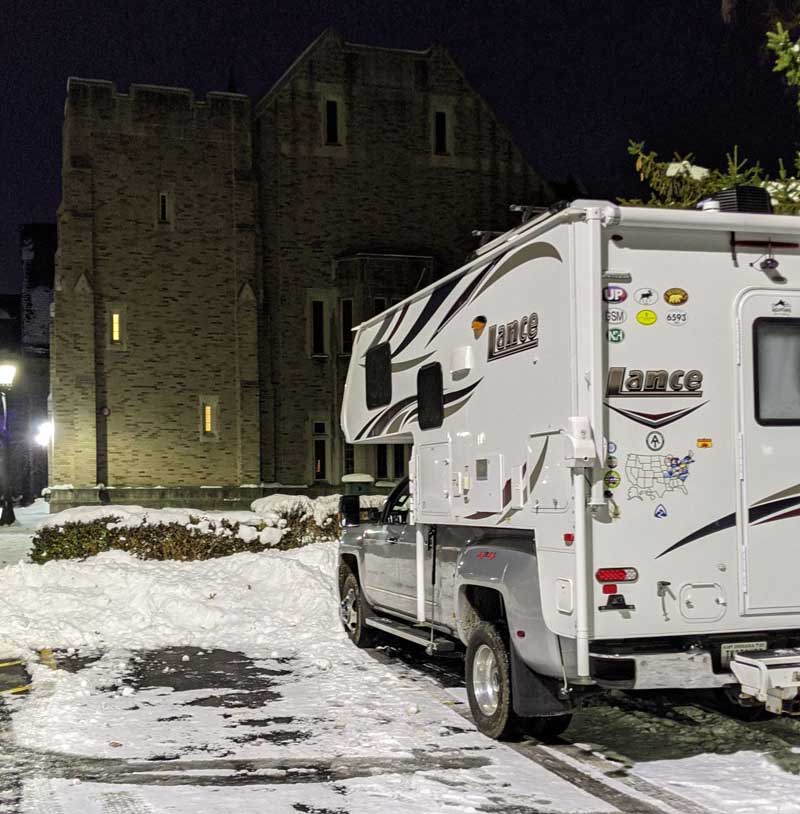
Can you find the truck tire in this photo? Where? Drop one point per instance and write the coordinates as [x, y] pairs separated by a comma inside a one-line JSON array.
[[351, 612], [545, 729], [488, 675]]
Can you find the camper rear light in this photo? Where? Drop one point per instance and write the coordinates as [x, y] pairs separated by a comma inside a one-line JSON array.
[[616, 575]]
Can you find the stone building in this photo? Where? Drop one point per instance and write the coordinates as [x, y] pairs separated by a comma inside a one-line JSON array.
[[214, 256]]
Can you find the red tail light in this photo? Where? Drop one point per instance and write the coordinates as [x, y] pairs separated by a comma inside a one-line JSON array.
[[616, 575]]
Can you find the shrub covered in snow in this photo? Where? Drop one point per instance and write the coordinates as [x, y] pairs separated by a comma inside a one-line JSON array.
[[279, 521]]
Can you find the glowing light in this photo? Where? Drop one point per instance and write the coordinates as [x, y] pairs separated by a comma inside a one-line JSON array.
[[44, 434], [7, 373]]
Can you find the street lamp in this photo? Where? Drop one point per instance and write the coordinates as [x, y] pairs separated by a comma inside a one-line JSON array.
[[8, 370]]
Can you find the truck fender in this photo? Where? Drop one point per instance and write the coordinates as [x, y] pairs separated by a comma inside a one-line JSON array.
[[511, 572]]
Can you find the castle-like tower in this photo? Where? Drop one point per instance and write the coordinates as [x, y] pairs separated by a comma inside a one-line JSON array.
[[214, 259]]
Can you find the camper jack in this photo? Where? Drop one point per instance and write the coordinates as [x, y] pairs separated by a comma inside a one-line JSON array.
[[604, 409]]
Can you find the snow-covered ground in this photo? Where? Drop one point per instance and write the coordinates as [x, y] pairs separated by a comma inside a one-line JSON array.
[[228, 685], [15, 541]]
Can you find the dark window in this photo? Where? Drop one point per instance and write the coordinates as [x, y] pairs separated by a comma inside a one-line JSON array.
[[331, 122], [317, 328], [397, 506], [320, 459], [319, 428], [381, 461], [399, 461], [163, 207], [430, 396], [777, 370], [347, 325], [440, 132], [379, 376], [379, 304], [349, 459]]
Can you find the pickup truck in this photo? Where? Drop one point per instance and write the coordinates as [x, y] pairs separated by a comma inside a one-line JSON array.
[[481, 595]]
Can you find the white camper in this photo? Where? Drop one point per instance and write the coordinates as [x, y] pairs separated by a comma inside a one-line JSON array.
[[604, 407]]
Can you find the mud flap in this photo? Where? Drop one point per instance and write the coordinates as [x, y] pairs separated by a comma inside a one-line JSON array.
[[534, 695]]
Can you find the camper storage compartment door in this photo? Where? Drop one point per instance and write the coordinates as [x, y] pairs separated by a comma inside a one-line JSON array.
[[433, 481]]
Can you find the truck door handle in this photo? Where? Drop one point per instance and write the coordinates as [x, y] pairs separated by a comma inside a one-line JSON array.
[[392, 539]]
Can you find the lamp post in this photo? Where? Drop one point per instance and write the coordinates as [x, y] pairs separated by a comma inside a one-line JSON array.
[[8, 369]]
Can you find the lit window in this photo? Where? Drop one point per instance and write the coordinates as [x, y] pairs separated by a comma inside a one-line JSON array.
[[331, 122], [346, 319], [116, 327], [209, 417], [440, 133], [317, 328], [163, 207]]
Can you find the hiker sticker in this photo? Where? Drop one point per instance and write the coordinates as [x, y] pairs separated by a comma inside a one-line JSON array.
[[675, 296], [615, 293], [615, 335], [704, 443], [661, 511], [646, 317], [654, 441], [646, 296], [612, 479]]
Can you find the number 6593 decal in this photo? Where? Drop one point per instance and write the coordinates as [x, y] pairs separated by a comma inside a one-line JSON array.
[[676, 318]]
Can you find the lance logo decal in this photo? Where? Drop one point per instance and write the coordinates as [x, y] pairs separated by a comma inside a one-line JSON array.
[[513, 337]]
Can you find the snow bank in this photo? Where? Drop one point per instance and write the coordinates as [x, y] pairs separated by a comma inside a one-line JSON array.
[[248, 602], [321, 509]]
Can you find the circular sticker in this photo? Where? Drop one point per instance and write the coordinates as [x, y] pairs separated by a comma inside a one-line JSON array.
[[611, 462], [612, 479], [612, 447], [615, 293], [675, 296], [654, 441], [646, 317], [646, 296], [616, 316], [615, 334], [676, 318]]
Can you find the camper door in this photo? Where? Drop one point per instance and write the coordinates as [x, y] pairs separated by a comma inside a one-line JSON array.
[[768, 516]]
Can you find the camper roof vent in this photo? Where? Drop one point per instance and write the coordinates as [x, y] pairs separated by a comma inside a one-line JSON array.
[[743, 198]]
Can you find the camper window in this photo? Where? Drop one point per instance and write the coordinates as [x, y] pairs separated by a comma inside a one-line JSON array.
[[379, 376], [430, 396], [777, 367]]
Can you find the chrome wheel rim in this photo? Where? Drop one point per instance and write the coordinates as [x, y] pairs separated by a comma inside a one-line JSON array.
[[348, 611], [486, 680]]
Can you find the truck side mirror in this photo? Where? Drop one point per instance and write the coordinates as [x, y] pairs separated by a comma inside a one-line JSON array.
[[349, 510]]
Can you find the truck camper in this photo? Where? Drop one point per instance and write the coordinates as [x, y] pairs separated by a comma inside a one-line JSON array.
[[604, 407]]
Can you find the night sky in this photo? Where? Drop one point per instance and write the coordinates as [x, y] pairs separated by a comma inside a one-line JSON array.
[[573, 80]]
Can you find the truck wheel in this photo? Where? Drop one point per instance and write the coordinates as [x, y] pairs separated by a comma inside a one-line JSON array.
[[545, 729], [351, 612], [488, 674]]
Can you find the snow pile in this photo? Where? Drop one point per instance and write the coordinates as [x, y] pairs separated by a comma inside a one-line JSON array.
[[249, 602], [251, 525], [299, 507]]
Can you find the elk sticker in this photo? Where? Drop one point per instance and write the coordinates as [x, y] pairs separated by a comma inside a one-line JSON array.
[[514, 337]]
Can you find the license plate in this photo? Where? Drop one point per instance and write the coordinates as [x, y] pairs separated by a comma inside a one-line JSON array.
[[728, 650]]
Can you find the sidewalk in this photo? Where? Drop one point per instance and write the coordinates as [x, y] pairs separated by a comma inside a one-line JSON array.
[[15, 541]]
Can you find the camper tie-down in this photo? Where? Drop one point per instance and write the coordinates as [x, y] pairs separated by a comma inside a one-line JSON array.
[[604, 407]]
